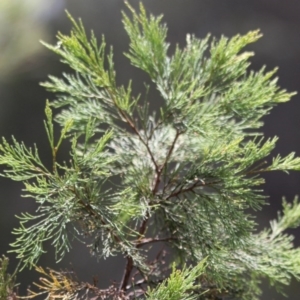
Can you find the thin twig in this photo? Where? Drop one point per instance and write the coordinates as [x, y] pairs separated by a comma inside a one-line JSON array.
[[92, 212], [256, 169], [133, 127], [198, 183], [147, 241], [163, 166]]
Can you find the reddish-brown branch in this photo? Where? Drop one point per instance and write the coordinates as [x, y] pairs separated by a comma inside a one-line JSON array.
[[143, 227], [127, 272], [182, 190], [158, 170], [129, 264], [133, 127], [92, 212], [197, 183], [171, 149]]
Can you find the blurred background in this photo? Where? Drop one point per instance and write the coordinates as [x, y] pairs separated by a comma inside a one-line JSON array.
[[24, 63]]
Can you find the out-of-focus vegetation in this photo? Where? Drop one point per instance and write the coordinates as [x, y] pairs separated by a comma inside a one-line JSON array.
[[22, 25]]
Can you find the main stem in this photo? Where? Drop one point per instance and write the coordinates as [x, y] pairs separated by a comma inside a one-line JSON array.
[[158, 170], [129, 264], [127, 272], [143, 227]]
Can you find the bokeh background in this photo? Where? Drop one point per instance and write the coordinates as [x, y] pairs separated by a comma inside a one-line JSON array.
[[24, 63]]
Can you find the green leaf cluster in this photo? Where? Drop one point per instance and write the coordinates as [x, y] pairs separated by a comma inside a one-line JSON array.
[[7, 281], [180, 284], [188, 176]]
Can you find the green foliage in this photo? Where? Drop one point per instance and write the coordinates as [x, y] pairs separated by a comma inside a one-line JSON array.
[[179, 285], [7, 281], [183, 177]]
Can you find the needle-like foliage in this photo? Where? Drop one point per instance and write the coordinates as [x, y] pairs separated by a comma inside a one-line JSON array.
[[187, 177], [7, 281]]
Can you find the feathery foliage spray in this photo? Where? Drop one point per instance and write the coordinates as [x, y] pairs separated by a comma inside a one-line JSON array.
[[185, 175]]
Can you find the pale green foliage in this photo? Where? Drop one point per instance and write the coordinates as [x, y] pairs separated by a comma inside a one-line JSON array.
[[184, 176], [22, 24], [179, 285]]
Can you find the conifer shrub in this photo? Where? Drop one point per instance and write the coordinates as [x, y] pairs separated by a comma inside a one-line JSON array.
[[186, 177]]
